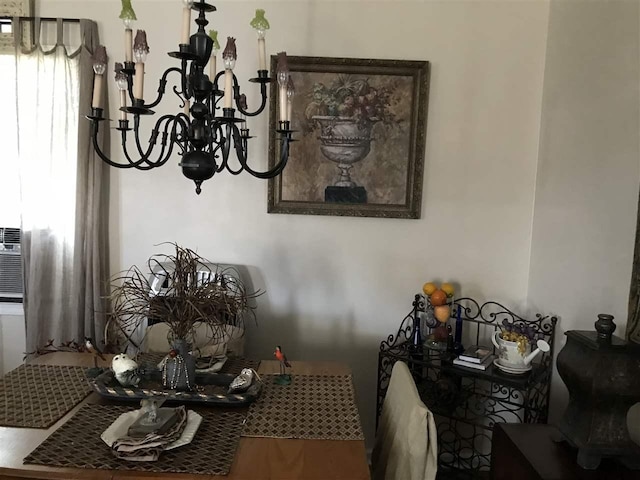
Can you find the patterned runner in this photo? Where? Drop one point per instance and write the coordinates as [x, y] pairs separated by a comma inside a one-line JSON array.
[[312, 407], [77, 444], [37, 396]]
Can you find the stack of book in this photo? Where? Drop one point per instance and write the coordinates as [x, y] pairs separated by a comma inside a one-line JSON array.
[[477, 357]]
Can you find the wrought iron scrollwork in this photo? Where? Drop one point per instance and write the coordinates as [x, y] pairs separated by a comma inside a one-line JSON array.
[[466, 403]]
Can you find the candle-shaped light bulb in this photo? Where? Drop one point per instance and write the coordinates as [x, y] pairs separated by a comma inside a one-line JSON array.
[[140, 47], [291, 92], [128, 16], [140, 51], [214, 53], [99, 67], [229, 56], [282, 73], [261, 25], [186, 21], [122, 83], [120, 76]]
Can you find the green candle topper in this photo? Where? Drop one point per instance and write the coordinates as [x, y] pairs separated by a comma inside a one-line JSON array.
[[259, 22], [127, 12], [214, 36]]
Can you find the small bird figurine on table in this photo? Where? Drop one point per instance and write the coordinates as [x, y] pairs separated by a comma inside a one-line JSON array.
[[283, 378], [91, 348], [126, 370]]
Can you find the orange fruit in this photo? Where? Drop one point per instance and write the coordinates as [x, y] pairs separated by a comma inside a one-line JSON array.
[[448, 289], [442, 313], [429, 287], [438, 298]]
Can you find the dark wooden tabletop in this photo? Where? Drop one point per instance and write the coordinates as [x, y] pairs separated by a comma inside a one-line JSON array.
[[533, 452], [255, 459]]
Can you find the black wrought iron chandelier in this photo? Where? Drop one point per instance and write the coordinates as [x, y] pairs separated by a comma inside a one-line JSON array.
[[204, 133]]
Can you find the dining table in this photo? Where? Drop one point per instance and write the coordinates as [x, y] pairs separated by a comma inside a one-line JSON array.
[[256, 458]]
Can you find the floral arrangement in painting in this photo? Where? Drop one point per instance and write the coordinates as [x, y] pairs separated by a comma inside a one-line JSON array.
[[351, 97]]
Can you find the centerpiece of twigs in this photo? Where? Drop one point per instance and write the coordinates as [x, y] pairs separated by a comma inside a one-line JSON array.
[[194, 292]]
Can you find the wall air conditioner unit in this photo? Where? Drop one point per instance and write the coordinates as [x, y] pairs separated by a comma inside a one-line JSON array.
[[10, 265]]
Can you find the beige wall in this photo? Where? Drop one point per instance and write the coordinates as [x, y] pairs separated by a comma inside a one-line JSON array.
[[12, 340], [587, 180], [336, 286]]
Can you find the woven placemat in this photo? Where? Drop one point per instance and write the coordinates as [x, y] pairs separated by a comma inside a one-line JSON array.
[[232, 366], [312, 407], [77, 444], [37, 396]]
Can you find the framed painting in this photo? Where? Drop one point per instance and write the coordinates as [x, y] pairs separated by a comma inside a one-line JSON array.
[[361, 129]]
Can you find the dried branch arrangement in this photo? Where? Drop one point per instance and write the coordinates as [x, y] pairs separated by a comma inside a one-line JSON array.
[[183, 290]]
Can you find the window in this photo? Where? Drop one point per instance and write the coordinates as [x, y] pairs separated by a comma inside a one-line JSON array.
[[10, 259]]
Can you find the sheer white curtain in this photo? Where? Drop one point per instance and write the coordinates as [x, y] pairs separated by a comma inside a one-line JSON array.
[[63, 200]]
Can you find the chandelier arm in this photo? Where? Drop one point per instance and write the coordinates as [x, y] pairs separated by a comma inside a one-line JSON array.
[[214, 145], [145, 163], [263, 95], [226, 145], [165, 134], [216, 78], [152, 140], [276, 170], [162, 159], [162, 86], [107, 160]]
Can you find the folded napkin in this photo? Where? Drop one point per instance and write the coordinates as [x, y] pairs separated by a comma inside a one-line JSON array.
[[149, 448]]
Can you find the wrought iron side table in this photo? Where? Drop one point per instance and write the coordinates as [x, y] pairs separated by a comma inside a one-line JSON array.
[[467, 403]]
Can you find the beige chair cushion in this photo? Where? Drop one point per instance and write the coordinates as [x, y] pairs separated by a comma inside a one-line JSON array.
[[157, 340], [406, 440]]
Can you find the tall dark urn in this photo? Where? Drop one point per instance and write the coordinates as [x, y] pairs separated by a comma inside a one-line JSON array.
[[602, 373]]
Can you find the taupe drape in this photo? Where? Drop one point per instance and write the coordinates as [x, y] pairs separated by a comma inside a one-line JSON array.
[[64, 189], [633, 320]]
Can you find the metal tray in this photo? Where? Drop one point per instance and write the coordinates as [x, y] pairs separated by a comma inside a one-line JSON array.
[[211, 389]]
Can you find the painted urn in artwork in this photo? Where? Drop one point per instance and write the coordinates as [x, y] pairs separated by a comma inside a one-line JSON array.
[[345, 113], [345, 141]]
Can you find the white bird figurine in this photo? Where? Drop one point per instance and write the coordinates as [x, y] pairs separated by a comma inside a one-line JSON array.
[[126, 370]]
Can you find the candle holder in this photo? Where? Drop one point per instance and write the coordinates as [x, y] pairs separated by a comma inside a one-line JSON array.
[[129, 68], [263, 77], [138, 108], [123, 126], [96, 115]]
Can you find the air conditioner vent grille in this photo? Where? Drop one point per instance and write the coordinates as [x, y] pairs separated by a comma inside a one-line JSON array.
[[10, 274], [9, 236]]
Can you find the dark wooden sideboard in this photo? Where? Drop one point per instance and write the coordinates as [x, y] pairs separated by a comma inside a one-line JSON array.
[[532, 452]]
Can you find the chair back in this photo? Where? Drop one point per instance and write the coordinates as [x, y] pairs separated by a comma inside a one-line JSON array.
[[406, 440]]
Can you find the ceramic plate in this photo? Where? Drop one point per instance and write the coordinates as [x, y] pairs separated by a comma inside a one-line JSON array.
[[511, 370], [118, 429]]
